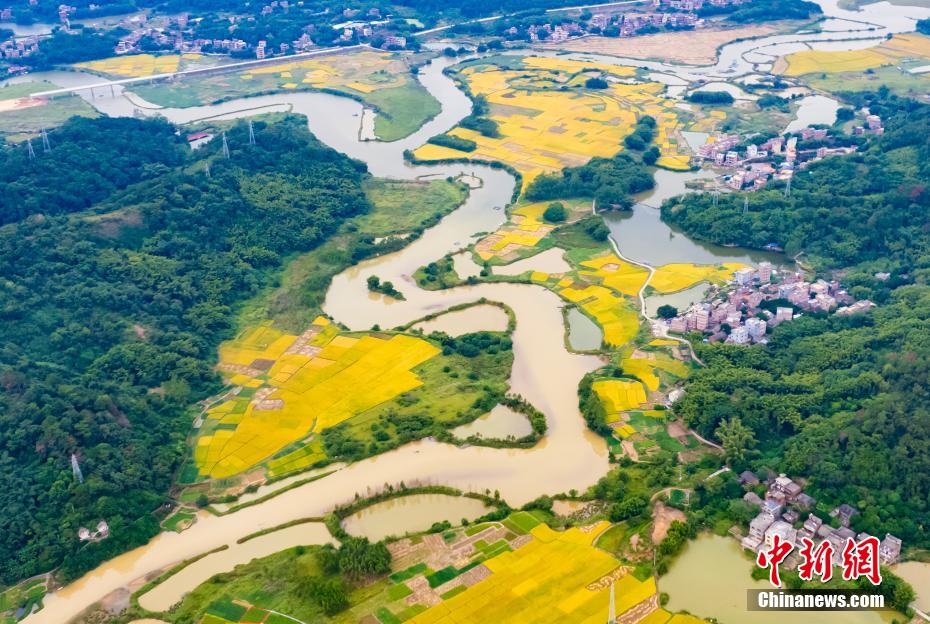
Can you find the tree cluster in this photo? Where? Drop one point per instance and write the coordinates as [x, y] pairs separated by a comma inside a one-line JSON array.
[[110, 317]]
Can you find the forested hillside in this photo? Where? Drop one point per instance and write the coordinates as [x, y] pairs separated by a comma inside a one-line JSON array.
[[110, 319], [91, 160], [839, 400], [842, 401], [870, 207]]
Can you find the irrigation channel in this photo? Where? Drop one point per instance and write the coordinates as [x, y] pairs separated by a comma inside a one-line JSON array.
[[544, 371]]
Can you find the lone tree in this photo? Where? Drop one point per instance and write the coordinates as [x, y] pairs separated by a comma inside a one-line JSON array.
[[555, 213], [667, 311]]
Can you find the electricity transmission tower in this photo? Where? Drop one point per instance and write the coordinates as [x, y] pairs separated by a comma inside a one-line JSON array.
[[206, 169], [746, 204], [225, 147], [251, 133], [46, 146], [788, 188], [32, 152], [716, 193]]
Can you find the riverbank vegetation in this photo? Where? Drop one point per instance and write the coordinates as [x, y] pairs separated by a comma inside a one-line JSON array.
[[381, 80], [546, 118], [836, 399], [870, 206], [112, 317]]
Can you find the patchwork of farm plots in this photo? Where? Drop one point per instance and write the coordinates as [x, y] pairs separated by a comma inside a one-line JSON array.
[[605, 287], [523, 233], [898, 49], [514, 570], [548, 577], [380, 79], [548, 121], [241, 612], [294, 386], [671, 278], [139, 65]]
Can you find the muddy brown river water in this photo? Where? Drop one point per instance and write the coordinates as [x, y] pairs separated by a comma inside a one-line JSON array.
[[544, 371]]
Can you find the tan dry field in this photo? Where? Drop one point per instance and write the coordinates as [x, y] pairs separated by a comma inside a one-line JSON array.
[[695, 47], [20, 103]]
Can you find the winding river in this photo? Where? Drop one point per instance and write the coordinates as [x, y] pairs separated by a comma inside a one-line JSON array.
[[544, 371]]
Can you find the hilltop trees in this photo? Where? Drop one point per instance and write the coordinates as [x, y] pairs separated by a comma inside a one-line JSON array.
[[110, 316]]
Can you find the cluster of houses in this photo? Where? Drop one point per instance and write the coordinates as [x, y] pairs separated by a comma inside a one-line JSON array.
[[774, 159], [780, 514], [695, 5], [736, 315], [674, 14], [19, 48], [873, 125]]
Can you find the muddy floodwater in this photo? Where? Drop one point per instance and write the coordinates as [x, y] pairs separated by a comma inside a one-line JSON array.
[[413, 513], [500, 423], [917, 573], [711, 576], [474, 319], [544, 371], [163, 596]]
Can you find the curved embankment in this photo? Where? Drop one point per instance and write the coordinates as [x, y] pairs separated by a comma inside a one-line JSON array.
[[544, 372]]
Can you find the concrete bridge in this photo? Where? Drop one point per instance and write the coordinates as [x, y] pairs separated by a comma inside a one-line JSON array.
[[200, 71]]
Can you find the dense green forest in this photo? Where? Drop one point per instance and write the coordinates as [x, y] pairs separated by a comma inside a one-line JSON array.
[[765, 10], [839, 400], [610, 181], [110, 319], [868, 209], [91, 160]]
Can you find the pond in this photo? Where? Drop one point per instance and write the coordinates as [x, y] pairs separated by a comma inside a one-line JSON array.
[[583, 333], [682, 300], [411, 514], [814, 109], [917, 573], [500, 423], [484, 317], [710, 579]]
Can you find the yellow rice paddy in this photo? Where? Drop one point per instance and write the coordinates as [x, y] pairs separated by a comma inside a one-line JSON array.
[[889, 52], [136, 65], [554, 578], [362, 72], [674, 277], [304, 385], [523, 231], [545, 128], [619, 395]]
